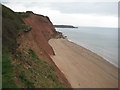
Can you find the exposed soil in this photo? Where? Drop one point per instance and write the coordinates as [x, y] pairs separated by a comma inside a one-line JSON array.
[[37, 39]]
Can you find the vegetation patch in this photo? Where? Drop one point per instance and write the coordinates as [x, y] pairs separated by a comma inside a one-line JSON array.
[[23, 14], [38, 73], [26, 81], [7, 73]]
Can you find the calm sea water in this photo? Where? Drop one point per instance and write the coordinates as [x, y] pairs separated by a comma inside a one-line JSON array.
[[102, 41]]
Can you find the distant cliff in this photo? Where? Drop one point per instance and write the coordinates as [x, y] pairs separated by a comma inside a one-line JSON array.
[[64, 26], [26, 61]]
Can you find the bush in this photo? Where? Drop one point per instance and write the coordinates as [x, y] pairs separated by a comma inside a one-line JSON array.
[[26, 82], [29, 12], [23, 14], [32, 54]]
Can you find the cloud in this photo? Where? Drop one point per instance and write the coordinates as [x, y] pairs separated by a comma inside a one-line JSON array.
[[59, 1], [103, 8], [85, 20], [102, 14]]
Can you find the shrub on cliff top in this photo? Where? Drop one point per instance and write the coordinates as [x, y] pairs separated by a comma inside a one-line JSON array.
[[29, 12]]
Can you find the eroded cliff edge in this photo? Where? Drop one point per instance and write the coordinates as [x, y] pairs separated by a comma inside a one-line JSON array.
[[26, 52]]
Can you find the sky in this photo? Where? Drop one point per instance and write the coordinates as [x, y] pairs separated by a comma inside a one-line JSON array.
[[98, 13]]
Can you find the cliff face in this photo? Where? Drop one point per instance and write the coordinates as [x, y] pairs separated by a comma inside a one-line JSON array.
[[26, 61], [37, 38]]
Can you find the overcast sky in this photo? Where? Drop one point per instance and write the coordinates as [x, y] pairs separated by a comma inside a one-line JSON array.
[[78, 13]]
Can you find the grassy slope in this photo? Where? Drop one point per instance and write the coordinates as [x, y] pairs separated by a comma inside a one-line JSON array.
[[20, 69], [11, 26]]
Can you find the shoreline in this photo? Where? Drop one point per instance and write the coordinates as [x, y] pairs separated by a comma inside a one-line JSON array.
[[73, 59], [94, 53], [106, 48]]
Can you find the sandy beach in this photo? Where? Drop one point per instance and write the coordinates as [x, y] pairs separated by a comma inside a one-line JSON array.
[[83, 68]]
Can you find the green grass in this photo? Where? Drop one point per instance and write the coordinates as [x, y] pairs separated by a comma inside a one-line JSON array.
[[11, 27], [26, 81], [7, 73], [32, 54], [40, 73], [47, 76]]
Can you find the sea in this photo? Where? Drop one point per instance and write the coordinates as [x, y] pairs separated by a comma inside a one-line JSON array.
[[100, 40]]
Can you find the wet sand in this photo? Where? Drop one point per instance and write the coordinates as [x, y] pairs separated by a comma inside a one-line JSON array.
[[83, 68]]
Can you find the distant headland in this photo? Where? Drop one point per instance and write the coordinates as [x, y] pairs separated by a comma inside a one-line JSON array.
[[64, 26]]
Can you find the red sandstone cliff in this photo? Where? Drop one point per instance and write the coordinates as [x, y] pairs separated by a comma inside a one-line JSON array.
[[37, 39]]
